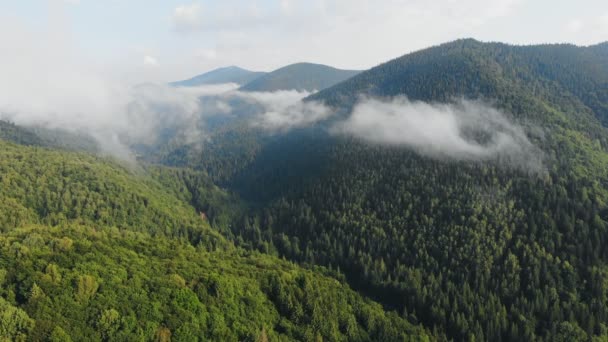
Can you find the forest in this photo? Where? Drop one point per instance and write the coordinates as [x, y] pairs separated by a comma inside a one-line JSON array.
[[473, 250], [314, 235], [95, 251]]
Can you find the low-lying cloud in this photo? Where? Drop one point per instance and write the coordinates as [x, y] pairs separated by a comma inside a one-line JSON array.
[[153, 108], [284, 110], [465, 130], [46, 82], [63, 91], [461, 130]]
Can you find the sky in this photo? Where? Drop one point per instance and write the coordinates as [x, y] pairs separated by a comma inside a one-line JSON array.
[[158, 41]]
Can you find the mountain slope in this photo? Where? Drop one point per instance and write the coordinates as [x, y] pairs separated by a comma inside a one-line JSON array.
[[95, 285], [231, 74], [95, 251], [601, 48], [18, 135], [40, 136], [473, 69], [300, 76], [475, 249], [40, 185]]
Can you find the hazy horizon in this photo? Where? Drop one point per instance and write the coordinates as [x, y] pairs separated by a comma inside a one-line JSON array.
[[137, 41]]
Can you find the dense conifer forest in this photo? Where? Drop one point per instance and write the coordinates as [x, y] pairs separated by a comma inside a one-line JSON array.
[[313, 235], [474, 250]]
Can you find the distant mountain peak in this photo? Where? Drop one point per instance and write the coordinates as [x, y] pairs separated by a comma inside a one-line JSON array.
[[303, 76], [228, 74], [232, 68]]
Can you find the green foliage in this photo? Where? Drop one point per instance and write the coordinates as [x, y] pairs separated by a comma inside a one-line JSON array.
[[197, 189], [123, 285], [101, 252], [86, 288], [38, 185], [15, 324], [563, 75], [233, 147], [59, 335], [18, 135], [475, 250], [469, 250], [39, 136]]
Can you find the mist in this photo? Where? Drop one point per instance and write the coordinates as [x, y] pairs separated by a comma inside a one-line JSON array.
[[47, 82], [285, 110], [464, 130]]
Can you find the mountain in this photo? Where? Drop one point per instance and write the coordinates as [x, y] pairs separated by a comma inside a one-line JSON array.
[[231, 74], [47, 137], [300, 76], [17, 134], [474, 69], [94, 250], [601, 48], [314, 233], [475, 249]]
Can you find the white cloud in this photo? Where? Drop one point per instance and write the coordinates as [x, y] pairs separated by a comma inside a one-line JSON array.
[[150, 61], [264, 35], [285, 5], [225, 16], [186, 17], [267, 35], [330, 31], [283, 110], [153, 108], [574, 25], [206, 53], [602, 25], [462, 131], [590, 30], [64, 90]]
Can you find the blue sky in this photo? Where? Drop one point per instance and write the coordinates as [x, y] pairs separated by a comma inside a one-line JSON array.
[[168, 40]]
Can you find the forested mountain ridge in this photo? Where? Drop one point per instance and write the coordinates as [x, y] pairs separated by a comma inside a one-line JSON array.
[[72, 282], [231, 74], [601, 48], [471, 69], [493, 72], [46, 137], [470, 249], [94, 251], [18, 135], [475, 249], [300, 76], [46, 186]]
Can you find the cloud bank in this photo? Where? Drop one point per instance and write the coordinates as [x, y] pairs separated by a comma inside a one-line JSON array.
[[285, 110], [64, 91], [462, 130], [47, 82], [465, 130]]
